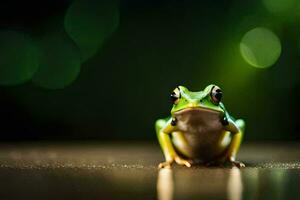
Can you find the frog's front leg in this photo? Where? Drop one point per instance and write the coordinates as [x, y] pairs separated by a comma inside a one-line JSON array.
[[237, 129], [164, 128]]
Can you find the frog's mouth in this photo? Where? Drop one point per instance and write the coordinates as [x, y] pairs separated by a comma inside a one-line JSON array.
[[196, 110], [198, 119]]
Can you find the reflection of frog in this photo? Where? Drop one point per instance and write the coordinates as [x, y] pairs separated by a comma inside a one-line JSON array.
[[193, 184], [199, 128]]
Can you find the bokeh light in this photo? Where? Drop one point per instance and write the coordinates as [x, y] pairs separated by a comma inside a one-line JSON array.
[[153, 40], [279, 6], [59, 61], [18, 58], [90, 22], [260, 47]]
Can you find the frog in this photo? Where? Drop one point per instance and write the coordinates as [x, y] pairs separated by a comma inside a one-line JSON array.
[[199, 130]]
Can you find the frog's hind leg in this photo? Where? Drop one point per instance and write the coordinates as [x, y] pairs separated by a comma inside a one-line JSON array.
[[163, 131], [235, 143]]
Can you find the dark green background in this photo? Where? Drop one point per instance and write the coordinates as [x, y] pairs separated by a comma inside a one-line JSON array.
[[156, 45]]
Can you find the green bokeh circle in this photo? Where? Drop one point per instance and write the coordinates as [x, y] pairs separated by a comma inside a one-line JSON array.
[[260, 47], [18, 58], [90, 22], [277, 6], [59, 60]]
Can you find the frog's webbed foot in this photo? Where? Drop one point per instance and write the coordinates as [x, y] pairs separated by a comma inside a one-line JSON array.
[[166, 164], [181, 161], [237, 164], [178, 160], [225, 162]]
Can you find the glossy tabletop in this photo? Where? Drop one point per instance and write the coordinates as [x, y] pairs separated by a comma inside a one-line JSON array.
[[129, 171]]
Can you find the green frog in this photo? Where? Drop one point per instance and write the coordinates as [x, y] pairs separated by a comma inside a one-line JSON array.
[[199, 129]]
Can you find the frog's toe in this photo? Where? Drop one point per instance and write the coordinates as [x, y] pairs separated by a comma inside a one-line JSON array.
[[238, 164], [166, 164], [182, 161]]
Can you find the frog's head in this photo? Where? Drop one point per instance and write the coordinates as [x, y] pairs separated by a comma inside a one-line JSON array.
[[209, 99]]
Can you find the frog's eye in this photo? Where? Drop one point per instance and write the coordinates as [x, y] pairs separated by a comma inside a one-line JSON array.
[[216, 94], [175, 96]]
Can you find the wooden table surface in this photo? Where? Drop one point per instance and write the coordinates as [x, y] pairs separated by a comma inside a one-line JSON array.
[[129, 171]]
